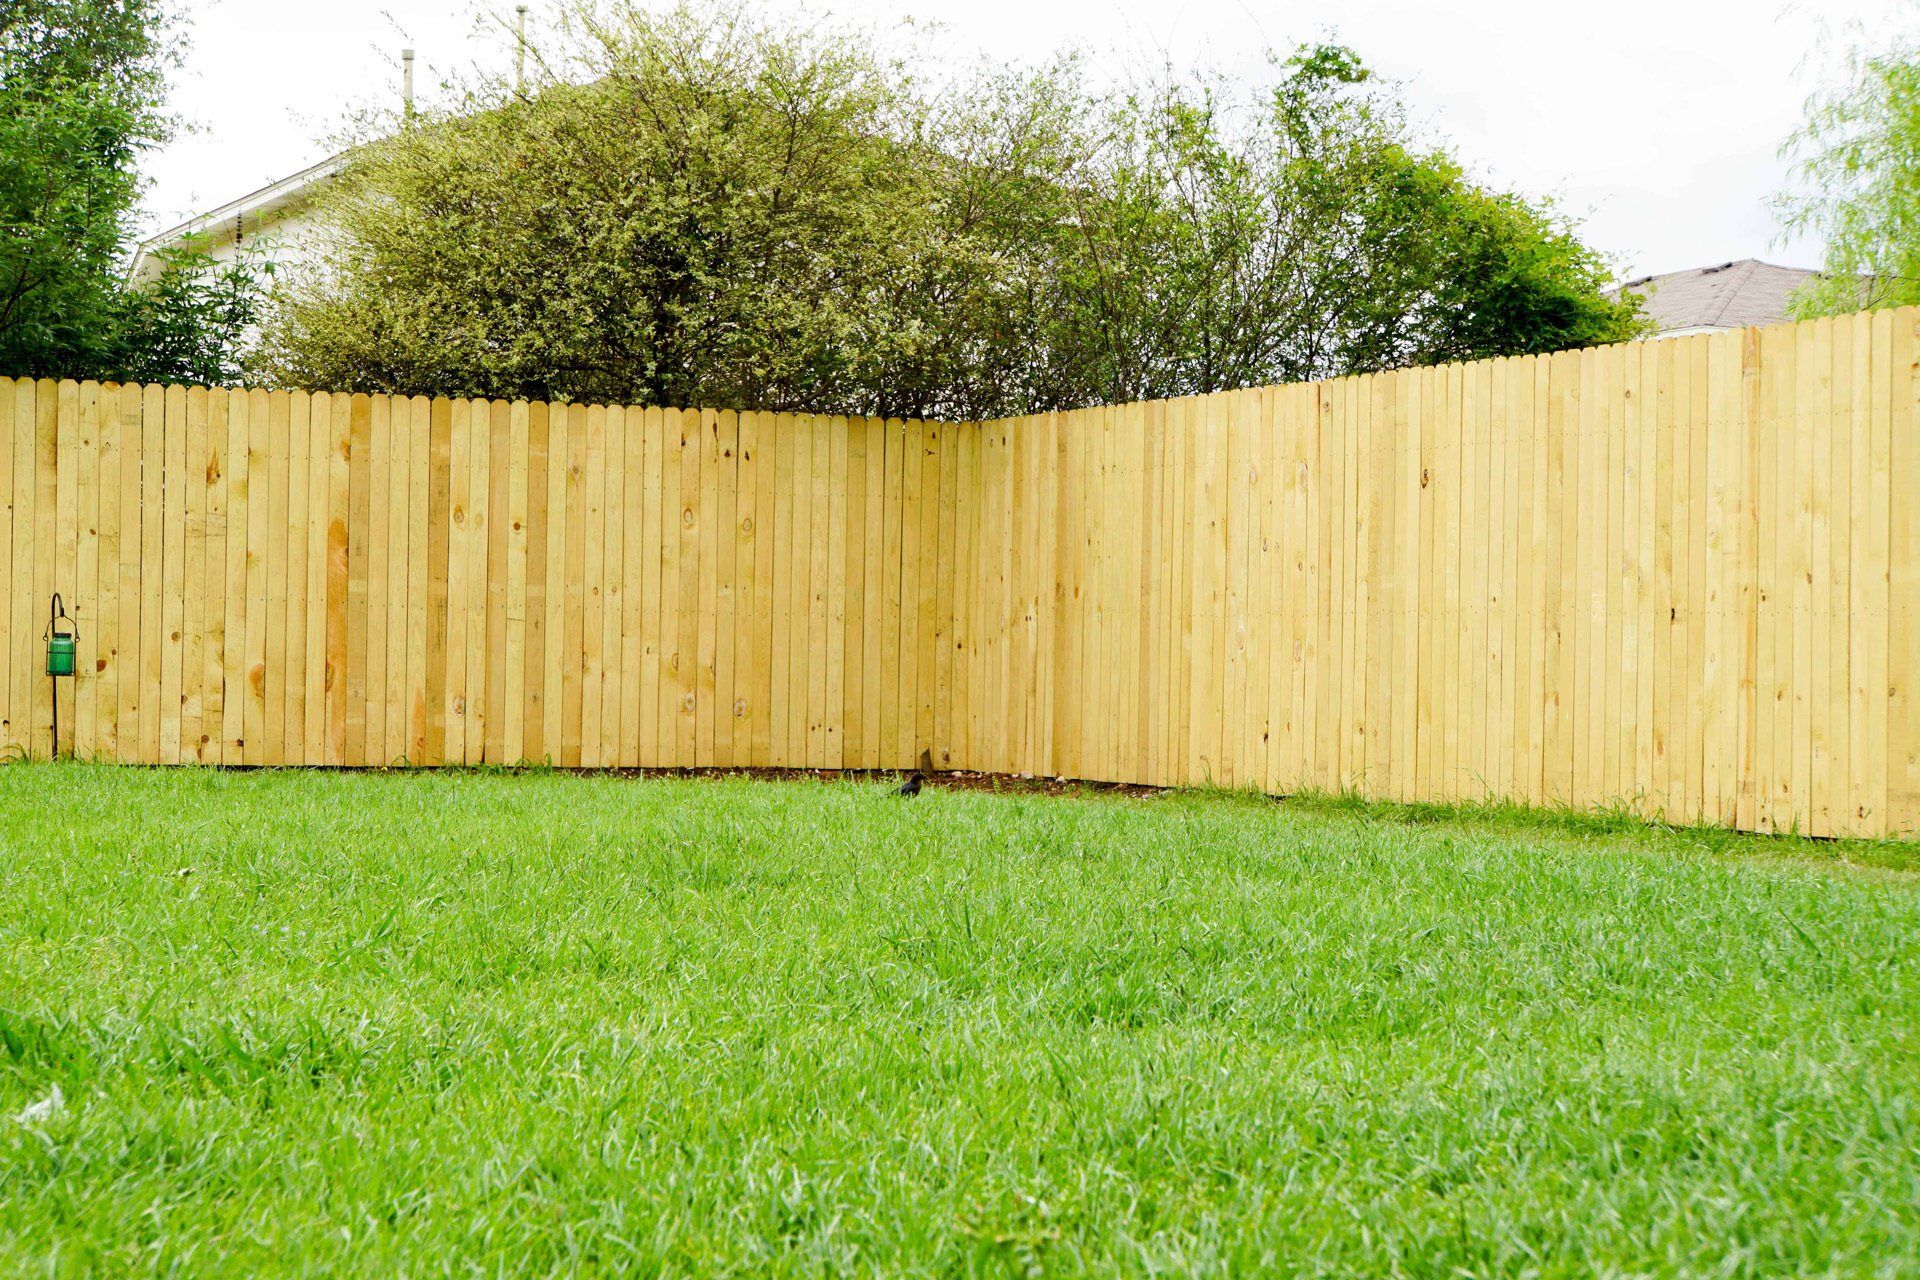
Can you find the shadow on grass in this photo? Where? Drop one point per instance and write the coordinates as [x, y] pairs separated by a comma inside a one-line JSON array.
[[1618, 822]]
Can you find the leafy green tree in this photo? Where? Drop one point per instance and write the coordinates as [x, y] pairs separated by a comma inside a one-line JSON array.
[[1230, 240], [192, 323], [82, 85], [696, 207], [692, 208], [80, 90], [1858, 156]]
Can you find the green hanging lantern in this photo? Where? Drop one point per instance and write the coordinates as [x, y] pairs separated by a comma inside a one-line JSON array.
[[62, 653]]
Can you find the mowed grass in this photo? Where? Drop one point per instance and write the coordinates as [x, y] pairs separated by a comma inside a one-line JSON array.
[[490, 1024]]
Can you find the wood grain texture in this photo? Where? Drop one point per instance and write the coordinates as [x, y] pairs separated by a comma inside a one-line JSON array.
[[494, 710], [323, 422], [533, 740], [114, 421], [439, 549], [298, 609], [84, 455], [12, 598]]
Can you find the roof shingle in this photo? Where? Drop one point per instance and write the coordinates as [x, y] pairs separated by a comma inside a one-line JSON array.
[[1732, 295]]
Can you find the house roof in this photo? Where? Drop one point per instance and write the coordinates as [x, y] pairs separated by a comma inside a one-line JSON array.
[[1732, 295], [220, 225]]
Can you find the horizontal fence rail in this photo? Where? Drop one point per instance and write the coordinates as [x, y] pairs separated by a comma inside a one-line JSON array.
[[1679, 578]]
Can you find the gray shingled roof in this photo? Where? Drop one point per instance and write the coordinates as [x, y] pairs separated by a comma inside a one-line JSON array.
[[1732, 295]]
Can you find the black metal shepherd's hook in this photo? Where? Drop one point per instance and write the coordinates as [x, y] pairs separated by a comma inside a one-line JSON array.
[[62, 649]]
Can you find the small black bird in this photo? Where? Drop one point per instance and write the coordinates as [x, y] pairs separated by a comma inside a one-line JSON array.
[[911, 787]]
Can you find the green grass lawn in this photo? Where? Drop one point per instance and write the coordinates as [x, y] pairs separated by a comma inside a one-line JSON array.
[[487, 1024]]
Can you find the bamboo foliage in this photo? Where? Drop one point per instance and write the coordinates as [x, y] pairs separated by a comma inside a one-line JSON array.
[[1680, 578]]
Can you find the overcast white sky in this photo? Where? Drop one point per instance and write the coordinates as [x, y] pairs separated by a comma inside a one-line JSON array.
[[1658, 122]]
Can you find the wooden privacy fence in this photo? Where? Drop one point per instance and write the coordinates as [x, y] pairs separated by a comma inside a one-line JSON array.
[[1679, 577]]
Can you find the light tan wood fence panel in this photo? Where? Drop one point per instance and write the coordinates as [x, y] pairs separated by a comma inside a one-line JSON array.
[[1680, 579], [285, 578]]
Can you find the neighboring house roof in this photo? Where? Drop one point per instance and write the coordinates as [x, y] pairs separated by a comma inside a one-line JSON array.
[[236, 219], [1732, 295]]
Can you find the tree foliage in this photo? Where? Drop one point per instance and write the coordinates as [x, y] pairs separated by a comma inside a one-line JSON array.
[[1302, 234], [701, 207], [82, 86], [1858, 155], [193, 322]]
